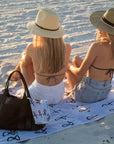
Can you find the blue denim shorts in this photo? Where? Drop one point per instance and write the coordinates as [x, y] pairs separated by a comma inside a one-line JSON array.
[[89, 90]]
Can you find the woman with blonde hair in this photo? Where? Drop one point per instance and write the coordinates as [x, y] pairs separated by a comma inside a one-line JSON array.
[[98, 64], [46, 58]]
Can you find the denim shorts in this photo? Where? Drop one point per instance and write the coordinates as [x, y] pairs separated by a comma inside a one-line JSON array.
[[89, 90]]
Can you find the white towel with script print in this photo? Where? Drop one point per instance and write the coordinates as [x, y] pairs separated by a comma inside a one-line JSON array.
[[64, 115]]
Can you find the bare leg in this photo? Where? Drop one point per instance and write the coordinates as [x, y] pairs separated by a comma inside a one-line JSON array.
[[77, 61], [72, 79], [28, 73]]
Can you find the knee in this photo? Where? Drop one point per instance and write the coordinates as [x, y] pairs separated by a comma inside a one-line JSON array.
[[77, 61]]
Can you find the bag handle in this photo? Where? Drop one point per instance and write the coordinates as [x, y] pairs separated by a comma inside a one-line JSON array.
[[23, 80]]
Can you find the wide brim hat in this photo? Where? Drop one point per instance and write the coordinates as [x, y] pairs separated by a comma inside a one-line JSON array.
[[103, 20], [46, 24]]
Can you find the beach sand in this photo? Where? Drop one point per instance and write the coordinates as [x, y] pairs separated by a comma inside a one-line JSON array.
[[98, 132], [74, 17]]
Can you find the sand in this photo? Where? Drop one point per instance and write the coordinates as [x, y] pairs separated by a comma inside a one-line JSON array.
[[74, 17], [98, 132]]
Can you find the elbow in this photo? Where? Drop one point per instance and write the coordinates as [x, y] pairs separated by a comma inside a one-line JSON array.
[[22, 65], [80, 74]]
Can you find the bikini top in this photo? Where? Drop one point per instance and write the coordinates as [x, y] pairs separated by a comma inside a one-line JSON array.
[[110, 71], [50, 77]]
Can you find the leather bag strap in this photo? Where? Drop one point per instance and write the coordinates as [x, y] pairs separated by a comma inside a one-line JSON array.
[[23, 80], [6, 91]]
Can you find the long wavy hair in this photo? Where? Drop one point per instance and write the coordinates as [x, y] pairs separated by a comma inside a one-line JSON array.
[[109, 38], [50, 54], [111, 41]]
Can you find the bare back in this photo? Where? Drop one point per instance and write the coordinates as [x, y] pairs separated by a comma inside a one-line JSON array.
[[103, 62], [46, 78]]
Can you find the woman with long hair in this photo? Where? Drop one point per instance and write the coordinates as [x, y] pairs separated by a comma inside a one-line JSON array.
[[46, 58], [90, 79]]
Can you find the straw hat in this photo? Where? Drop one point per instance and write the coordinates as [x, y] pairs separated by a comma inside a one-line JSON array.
[[46, 24], [103, 20]]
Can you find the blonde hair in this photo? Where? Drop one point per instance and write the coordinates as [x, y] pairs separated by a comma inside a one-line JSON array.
[[50, 54], [98, 36], [109, 39]]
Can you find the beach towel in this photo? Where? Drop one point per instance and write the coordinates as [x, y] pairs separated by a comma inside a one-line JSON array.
[[64, 115]]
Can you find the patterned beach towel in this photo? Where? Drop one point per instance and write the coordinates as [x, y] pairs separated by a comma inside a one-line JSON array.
[[64, 115]]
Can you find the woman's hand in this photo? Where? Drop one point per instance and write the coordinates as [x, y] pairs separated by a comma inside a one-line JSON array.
[[15, 76]]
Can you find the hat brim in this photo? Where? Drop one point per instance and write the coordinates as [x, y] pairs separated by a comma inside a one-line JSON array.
[[34, 29], [96, 20]]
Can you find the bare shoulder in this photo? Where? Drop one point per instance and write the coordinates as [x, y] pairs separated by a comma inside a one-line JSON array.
[[99, 45], [29, 48], [68, 49], [95, 44], [96, 47], [67, 52], [68, 46]]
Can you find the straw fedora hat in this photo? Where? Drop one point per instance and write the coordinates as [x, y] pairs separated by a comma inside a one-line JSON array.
[[103, 20], [46, 24]]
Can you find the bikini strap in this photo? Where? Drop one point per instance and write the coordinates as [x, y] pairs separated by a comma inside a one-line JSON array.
[[110, 71], [50, 77], [98, 68]]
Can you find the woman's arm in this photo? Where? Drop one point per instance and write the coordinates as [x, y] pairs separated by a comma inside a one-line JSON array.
[[68, 51], [26, 66], [75, 74], [87, 62]]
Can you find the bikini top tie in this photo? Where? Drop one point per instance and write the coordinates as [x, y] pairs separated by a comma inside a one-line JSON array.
[[110, 71], [50, 77]]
